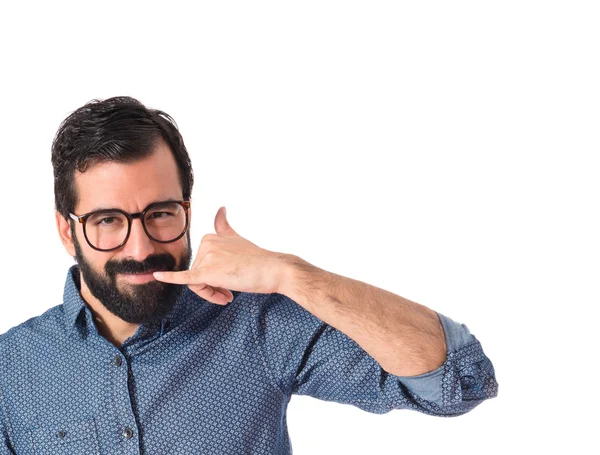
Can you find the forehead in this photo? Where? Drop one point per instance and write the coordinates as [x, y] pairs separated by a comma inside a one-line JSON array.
[[129, 186]]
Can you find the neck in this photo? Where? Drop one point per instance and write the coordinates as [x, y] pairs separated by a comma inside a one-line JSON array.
[[111, 327]]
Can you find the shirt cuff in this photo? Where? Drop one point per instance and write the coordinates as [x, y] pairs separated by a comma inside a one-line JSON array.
[[429, 385]]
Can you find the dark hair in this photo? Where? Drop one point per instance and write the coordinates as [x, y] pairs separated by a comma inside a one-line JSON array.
[[119, 129]]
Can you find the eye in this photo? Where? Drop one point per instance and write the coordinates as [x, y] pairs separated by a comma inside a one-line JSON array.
[[160, 214], [106, 221]]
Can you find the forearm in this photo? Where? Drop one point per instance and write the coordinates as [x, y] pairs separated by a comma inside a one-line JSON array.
[[404, 337]]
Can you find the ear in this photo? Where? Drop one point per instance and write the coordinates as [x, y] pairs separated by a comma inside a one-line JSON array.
[[64, 232]]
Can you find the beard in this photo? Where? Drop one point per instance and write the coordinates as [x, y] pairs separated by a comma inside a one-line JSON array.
[[143, 303]]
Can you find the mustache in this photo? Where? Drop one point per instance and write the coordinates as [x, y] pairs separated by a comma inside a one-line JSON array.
[[153, 263]]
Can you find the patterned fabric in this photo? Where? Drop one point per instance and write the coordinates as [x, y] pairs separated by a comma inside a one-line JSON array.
[[208, 379]]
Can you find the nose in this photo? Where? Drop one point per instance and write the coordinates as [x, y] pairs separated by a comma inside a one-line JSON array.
[[138, 246]]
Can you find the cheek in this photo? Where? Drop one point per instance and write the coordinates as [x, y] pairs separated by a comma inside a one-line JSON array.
[[182, 244], [181, 251], [96, 259], [177, 251]]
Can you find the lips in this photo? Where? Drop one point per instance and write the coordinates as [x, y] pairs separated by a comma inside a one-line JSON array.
[[143, 273], [139, 278]]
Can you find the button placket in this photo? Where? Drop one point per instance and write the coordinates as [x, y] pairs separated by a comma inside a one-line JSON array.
[[120, 364], [117, 361]]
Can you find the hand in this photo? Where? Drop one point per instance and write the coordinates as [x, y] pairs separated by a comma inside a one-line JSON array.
[[225, 261]]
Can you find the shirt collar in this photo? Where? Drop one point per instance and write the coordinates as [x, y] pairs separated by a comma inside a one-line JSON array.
[[72, 301], [74, 305]]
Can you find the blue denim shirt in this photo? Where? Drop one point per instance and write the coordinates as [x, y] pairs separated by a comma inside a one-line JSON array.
[[207, 379]]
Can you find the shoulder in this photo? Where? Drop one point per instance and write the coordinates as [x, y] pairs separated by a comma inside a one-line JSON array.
[[33, 331], [277, 310]]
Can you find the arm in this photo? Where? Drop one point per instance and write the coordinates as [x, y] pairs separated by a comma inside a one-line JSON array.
[[5, 444], [5, 447], [406, 338], [350, 342], [303, 355]]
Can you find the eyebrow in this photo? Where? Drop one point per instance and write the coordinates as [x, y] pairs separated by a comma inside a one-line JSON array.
[[98, 209]]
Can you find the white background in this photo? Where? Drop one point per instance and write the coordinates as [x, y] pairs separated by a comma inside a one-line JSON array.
[[444, 151]]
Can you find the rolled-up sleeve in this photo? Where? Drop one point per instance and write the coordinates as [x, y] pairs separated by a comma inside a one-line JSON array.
[[306, 356]]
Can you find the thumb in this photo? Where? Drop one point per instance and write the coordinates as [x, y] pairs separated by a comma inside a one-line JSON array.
[[222, 226]]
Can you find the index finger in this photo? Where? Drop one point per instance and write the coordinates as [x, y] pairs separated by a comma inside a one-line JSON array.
[[181, 277]]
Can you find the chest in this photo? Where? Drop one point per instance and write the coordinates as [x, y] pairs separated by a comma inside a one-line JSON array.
[[186, 390]]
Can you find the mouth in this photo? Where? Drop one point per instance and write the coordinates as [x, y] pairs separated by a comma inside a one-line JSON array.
[[140, 277]]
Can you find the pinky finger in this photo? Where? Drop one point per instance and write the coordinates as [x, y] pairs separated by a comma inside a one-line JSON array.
[[217, 296]]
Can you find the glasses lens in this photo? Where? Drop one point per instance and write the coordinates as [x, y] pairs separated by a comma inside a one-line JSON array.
[[106, 230], [165, 221]]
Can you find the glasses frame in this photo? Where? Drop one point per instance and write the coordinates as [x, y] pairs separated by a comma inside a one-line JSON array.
[[130, 217]]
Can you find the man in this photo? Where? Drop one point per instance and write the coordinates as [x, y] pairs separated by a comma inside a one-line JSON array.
[[149, 355]]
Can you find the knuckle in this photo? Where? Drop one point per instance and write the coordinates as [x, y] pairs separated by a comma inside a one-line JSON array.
[[207, 238]]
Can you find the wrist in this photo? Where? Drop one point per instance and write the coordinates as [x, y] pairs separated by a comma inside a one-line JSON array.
[[288, 268]]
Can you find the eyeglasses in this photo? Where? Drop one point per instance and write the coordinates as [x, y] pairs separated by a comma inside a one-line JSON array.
[[109, 229]]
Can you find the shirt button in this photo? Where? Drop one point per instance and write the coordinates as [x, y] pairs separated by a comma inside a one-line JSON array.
[[117, 361], [128, 433], [61, 434]]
